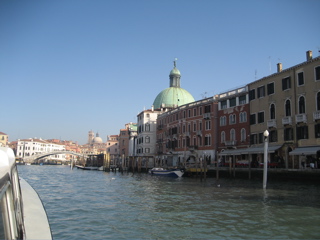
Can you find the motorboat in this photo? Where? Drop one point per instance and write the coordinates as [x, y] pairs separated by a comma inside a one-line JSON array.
[[23, 214], [90, 168], [166, 172]]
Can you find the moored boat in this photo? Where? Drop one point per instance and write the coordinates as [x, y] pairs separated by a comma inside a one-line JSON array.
[[23, 214], [166, 172]]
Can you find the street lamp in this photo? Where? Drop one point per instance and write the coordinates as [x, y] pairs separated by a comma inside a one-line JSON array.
[[265, 160]]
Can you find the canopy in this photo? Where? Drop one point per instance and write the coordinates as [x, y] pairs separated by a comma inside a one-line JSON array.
[[305, 151], [251, 150]]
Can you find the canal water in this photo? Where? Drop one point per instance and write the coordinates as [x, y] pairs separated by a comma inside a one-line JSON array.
[[100, 205]]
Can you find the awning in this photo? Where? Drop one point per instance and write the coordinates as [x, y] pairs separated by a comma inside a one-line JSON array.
[[305, 151], [260, 149], [233, 151], [251, 150]]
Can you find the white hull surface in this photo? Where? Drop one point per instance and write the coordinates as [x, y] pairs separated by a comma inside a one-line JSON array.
[[166, 172], [23, 214], [90, 168]]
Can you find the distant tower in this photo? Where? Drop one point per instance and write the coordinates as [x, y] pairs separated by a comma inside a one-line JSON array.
[[90, 137]]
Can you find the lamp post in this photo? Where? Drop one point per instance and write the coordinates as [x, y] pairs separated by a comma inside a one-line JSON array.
[[265, 160]]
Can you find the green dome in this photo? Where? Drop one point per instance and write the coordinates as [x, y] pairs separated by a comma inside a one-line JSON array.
[[172, 97], [175, 71]]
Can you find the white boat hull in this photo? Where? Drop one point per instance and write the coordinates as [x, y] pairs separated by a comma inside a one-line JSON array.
[[166, 172]]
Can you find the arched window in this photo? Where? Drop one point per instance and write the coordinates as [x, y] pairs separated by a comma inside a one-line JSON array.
[[147, 139], [232, 135], [243, 117], [302, 106], [288, 108], [223, 137], [272, 111], [243, 135]]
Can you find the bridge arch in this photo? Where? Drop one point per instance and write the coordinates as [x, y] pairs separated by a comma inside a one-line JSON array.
[[32, 158]]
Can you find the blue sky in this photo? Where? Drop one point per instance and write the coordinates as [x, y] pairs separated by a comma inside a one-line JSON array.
[[71, 66]]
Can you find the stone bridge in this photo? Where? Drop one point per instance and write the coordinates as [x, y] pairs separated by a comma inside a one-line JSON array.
[[31, 159]]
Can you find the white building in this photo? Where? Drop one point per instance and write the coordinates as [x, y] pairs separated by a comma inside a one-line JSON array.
[[146, 138], [33, 146]]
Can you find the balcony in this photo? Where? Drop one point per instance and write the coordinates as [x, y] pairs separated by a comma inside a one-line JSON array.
[[192, 148], [272, 123], [316, 115], [230, 143], [301, 118], [287, 120], [199, 133], [206, 116]]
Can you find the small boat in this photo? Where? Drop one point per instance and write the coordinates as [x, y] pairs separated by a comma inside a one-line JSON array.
[[90, 168], [166, 172], [23, 214]]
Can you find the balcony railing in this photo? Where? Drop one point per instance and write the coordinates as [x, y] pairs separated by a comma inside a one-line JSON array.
[[199, 133], [230, 143], [301, 118], [287, 120], [193, 147], [206, 116], [316, 115], [272, 123]]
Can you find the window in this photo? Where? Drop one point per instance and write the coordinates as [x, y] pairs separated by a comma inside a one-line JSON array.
[[147, 150], [207, 140], [270, 88], [302, 107], [318, 101], [261, 92], [147, 139], [189, 113], [208, 125], [300, 79], [223, 104], [232, 119], [260, 117], [317, 130], [273, 137], [288, 134], [253, 139], [242, 100], [194, 126], [223, 137], [302, 132], [243, 117], [288, 108], [200, 126], [243, 135], [272, 111], [252, 119], [194, 112], [223, 121], [317, 73], [232, 135], [207, 109], [252, 94], [200, 110], [147, 127], [232, 102], [286, 83]]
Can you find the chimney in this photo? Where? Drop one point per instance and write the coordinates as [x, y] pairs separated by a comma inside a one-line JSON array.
[[279, 67], [309, 55]]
